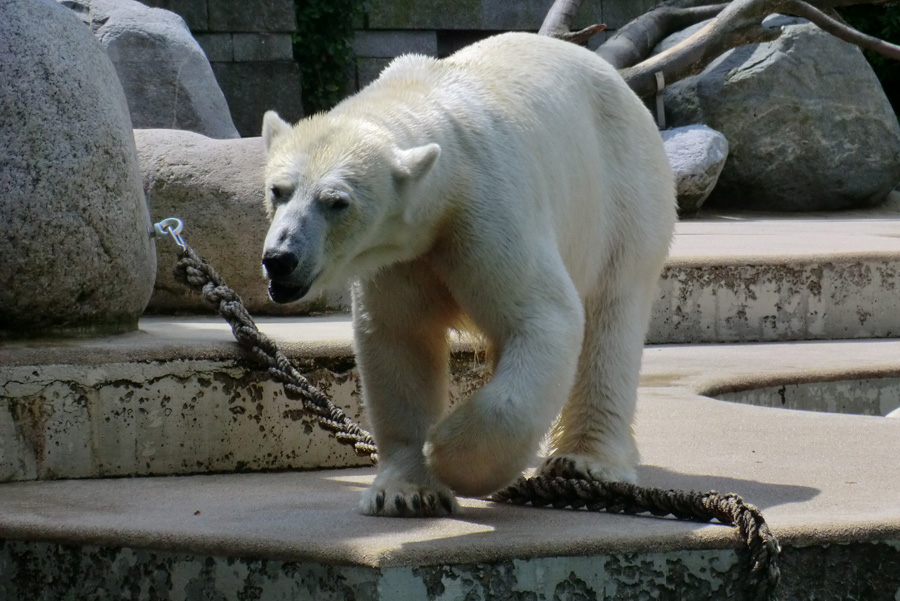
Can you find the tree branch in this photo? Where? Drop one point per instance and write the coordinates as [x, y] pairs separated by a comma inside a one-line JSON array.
[[734, 23], [558, 22], [633, 43], [559, 18], [842, 30], [737, 23]]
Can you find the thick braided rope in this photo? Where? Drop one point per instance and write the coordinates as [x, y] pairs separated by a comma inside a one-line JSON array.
[[621, 497], [199, 275], [540, 491]]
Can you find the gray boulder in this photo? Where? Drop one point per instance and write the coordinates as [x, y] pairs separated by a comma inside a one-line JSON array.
[[167, 79], [808, 124], [216, 188], [76, 253], [697, 155]]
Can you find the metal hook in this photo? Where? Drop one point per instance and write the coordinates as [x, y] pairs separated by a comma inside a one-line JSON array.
[[170, 227]]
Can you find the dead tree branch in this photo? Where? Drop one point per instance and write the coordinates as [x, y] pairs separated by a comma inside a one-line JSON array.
[[633, 43], [738, 24], [557, 22], [559, 18], [733, 24], [841, 30]]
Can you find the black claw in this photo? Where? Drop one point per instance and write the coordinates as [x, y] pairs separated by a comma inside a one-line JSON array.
[[560, 467], [400, 504], [417, 503], [379, 501], [431, 502]]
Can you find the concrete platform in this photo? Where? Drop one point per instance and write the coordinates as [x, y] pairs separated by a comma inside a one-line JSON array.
[[827, 483], [775, 277], [175, 398]]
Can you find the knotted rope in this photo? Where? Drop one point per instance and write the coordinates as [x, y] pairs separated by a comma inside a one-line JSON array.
[[540, 491], [622, 497], [196, 273]]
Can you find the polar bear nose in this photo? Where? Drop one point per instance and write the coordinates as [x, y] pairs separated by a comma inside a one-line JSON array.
[[279, 263]]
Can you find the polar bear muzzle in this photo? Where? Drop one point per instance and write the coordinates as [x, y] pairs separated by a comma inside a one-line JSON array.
[[280, 265]]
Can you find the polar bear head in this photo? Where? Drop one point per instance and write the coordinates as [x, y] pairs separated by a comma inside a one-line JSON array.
[[344, 200]]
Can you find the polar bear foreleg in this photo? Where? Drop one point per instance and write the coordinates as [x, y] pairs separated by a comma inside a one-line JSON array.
[[400, 333], [488, 439]]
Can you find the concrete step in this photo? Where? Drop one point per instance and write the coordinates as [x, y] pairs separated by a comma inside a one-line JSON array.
[[778, 277], [828, 484], [174, 398], [749, 277]]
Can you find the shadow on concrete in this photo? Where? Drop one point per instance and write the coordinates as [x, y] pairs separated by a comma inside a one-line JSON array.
[[761, 494]]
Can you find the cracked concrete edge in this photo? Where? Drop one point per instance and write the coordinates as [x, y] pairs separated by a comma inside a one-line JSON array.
[[46, 570], [160, 415]]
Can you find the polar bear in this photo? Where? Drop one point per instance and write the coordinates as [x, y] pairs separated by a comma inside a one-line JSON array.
[[518, 187]]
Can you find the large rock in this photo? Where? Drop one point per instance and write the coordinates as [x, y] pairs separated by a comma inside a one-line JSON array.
[[74, 228], [167, 79], [808, 124], [216, 188], [697, 155]]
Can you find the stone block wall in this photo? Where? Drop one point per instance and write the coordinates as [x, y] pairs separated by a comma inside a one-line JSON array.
[[248, 43], [440, 27]]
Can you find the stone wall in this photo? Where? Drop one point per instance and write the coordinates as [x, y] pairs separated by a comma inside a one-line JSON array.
[[439, 27], [248, 44]]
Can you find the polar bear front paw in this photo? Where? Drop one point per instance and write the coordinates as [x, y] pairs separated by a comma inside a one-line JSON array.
[[405, 499], [586, 468]]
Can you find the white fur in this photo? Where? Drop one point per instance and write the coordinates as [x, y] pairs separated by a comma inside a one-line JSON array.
[[519, 185]]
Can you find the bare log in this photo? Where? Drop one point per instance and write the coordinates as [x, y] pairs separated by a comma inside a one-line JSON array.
[[733, 24], [739, 23], [557, 22], [559, 17], [843, 31], [633, 43]]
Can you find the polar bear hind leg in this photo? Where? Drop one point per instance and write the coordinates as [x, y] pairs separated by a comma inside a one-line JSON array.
[[594, 436]]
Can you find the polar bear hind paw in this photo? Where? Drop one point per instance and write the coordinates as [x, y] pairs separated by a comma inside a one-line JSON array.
[[407, 500], [586, 468]]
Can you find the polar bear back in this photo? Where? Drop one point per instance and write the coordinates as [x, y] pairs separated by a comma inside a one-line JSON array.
[[543, 124]]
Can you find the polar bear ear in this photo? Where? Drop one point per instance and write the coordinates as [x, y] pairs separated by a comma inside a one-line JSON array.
[[273, 128], [415, 163]]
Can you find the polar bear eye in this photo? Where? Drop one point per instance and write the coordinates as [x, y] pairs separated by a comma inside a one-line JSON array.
[[335, 200], [279, 194]]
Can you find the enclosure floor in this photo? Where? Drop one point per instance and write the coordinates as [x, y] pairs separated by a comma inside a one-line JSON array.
[[817, 476], [828, 484]]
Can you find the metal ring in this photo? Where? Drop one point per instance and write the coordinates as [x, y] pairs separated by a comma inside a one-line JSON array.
[[172, 225]]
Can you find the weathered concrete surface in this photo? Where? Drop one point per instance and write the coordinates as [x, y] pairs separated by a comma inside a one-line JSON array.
[[862, 396], [827, 483], [831, 505], [830, 500], [40, 571], [747, 277], [145, 417], [172, 399]]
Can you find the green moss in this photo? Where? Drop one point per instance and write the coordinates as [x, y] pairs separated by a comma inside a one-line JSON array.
[[323, 49]]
